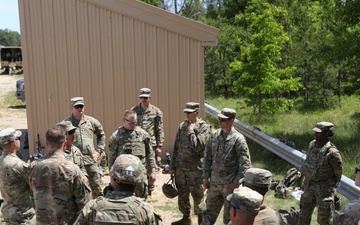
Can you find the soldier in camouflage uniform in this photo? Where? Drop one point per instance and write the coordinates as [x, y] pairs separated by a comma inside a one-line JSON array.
[[57, 184], [72, 153], [150, 118], [87, 128], [186, 162], [132, 139], [18, 207], [119, 205], [322, 170], [244, 205], [259, 180], [226, 159]]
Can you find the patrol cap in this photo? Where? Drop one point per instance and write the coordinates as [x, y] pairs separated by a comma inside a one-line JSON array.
[[323, 126], [191, 106], [144, 92], [244, 198], [9, 134], [67, 125], [257, 177], [77, 101], [127, 169], [227, 113]]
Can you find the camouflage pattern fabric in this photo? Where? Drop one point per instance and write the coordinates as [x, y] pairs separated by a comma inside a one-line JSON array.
[[225, 161], [58, 188], [87, 128], [267, 216], [74, 155], [15, 190], [350, 214], [289, 217], [186, 160], [117, 207], [322, 170], [151, 120], [135, 142]]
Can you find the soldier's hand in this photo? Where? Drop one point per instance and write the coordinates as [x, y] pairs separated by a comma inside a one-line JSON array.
[[152, 177], [230, 188], [206, 183], [172, 173], [96, 155], [158, 151]]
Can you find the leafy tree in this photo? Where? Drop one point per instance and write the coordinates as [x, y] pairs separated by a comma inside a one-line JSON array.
[[9, 38], [262, 80]]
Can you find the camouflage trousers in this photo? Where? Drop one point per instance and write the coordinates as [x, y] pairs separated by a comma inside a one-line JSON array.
[[216, 198], [94, 180], [320, 195], [189, 181]]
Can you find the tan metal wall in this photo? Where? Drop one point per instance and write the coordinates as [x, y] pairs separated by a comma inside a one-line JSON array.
[[106, 51]]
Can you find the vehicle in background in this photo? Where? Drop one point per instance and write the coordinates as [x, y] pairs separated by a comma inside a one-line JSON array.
[[11, 60], [20, 89]]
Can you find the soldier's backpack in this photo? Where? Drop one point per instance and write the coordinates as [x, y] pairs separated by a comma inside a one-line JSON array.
[[289, 217], [121, 211], [284, 186]]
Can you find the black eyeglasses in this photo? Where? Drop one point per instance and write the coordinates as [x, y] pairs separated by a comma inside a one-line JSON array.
[[131, 122], [221, 120], [78, 106], [144, 97], [71, 132], [357, 170]]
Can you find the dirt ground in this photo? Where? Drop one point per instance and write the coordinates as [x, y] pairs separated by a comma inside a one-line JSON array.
[[13, 116]]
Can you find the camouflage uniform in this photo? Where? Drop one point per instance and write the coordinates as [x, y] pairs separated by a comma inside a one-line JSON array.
[[225, 161], [87, 127], [186, 160], [58, 188], [151, 120], [135, 142], [74, 155], [120, 206], [18, 207], [348, 215], [322, 170]]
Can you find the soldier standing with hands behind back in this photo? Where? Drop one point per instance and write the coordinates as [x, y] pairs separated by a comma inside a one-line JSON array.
[[226, 159], [186, 164], [322, 170]]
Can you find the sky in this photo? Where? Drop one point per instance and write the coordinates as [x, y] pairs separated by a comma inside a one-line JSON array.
[[9, 15]]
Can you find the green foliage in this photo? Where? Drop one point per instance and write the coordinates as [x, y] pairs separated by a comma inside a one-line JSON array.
[[261, 79], [9, 38]]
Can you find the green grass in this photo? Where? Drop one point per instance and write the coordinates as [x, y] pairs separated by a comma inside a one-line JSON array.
[[297, 127]]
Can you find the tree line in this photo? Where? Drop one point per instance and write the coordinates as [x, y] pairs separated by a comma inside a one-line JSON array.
[[9, 38]]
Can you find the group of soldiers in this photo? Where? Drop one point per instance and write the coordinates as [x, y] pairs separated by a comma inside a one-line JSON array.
[[56, 188]]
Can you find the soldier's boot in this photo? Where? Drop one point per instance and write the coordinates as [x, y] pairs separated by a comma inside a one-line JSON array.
[[199, 219], [186, 220]]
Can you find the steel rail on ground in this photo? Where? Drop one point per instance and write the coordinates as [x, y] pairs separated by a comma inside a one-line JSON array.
[[347, 186]]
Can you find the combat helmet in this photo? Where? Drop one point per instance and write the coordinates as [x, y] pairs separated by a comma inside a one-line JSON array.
[[169, 188], [127, 169]]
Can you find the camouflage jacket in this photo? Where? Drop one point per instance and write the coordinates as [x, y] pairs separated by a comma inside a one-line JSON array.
[[115, 205], [87, 128], [151, 120], [74, 155], [136, 142], [322, 164], [15, 189], [189, 146], [350, 214], [267, 216], [226, 160], [58, 188]]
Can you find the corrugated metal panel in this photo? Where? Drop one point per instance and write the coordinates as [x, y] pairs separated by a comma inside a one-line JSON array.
[[73, 48]]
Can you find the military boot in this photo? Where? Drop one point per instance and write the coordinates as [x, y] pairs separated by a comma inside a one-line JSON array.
[[186, 220], [199, 219]]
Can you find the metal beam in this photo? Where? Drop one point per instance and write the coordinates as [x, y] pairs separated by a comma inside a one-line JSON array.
[[347, 186]]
